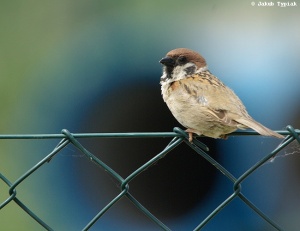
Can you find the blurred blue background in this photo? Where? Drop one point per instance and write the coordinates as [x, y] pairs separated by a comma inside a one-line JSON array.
[[92, 66]]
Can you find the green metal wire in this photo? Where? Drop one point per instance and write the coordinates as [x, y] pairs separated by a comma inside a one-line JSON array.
[[12, 189], [179, 136]]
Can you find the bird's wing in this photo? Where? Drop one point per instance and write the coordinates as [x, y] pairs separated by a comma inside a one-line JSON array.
[[209, 92], [221, 102]]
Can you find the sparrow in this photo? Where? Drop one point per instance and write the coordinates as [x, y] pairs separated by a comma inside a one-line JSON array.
[[200, 101]]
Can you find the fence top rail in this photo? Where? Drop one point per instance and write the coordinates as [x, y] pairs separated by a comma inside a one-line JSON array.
[[123, 135]]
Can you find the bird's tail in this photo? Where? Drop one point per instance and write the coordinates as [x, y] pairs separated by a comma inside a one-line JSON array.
[[251, 123]]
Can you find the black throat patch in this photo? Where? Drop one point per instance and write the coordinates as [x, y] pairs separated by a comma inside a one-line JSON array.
[[168, 70]]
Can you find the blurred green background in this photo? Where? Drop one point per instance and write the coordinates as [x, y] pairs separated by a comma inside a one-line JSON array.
[[92, 66]]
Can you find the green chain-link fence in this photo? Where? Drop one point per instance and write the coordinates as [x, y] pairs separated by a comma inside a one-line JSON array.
[[179, 136]]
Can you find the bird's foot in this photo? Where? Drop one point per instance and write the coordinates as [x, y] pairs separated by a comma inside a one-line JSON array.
[[191, 132]]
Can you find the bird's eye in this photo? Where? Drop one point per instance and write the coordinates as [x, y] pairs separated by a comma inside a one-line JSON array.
[[182, 60]]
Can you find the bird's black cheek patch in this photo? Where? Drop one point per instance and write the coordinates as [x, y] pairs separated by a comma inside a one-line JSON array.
[[190, 70]]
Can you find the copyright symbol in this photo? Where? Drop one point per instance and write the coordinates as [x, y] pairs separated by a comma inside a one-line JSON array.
[[252, 3]]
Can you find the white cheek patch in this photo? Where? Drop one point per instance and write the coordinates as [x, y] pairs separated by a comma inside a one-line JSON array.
[[205, 68], [179, 72]]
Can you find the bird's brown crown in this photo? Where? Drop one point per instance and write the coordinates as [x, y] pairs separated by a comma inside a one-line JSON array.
[[188, 56]]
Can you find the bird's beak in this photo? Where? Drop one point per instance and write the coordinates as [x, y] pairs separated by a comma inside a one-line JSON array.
[[167, 61]]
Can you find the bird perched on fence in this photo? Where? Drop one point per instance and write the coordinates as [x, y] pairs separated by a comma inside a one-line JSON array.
[[200, 101]]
